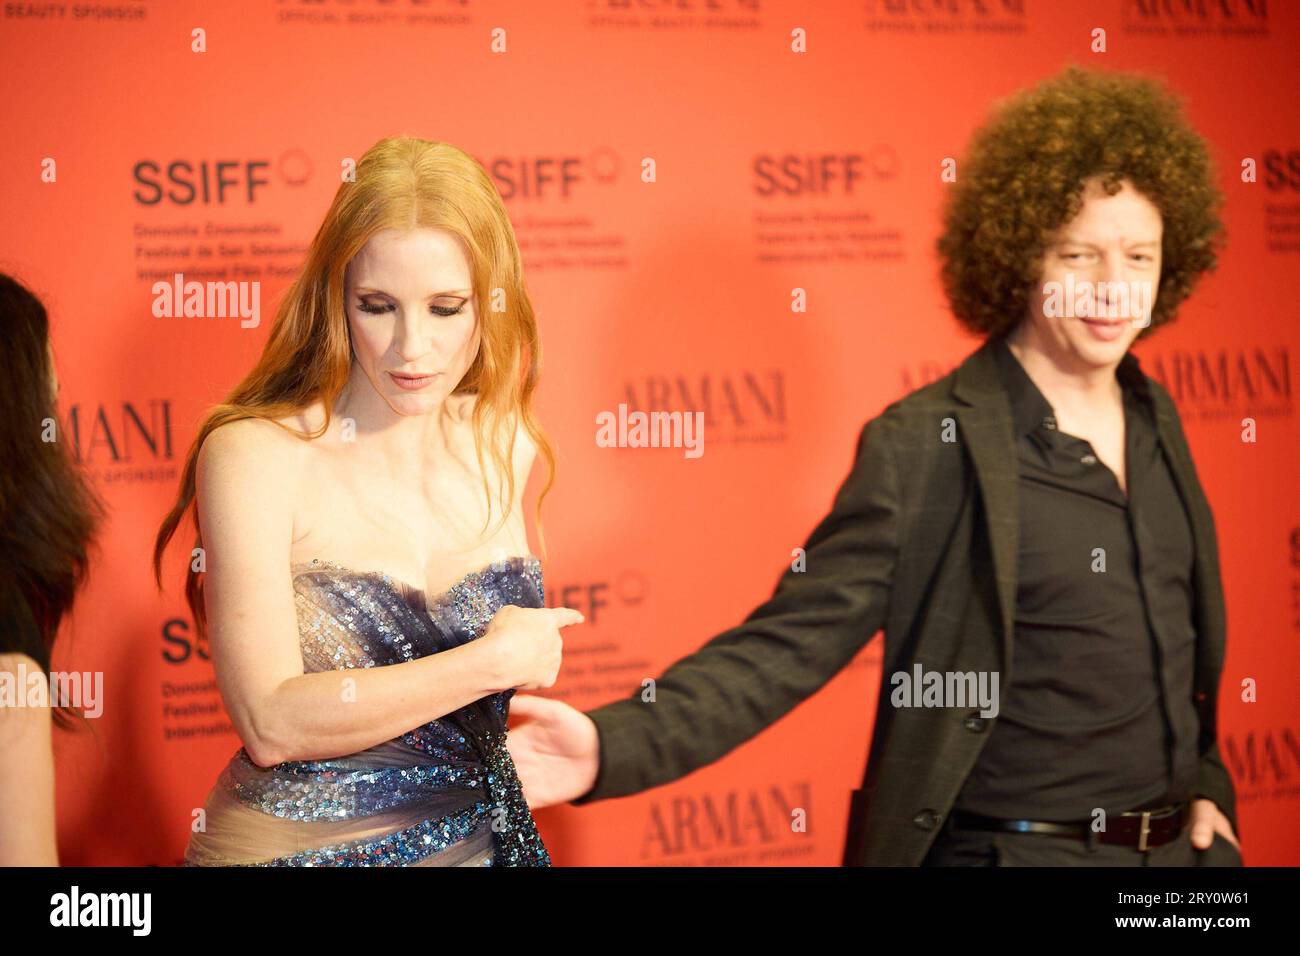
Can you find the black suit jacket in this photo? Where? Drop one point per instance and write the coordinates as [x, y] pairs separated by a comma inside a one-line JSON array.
[[921, 542]]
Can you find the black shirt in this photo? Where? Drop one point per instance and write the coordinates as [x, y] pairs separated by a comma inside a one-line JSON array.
[[1099, 710]]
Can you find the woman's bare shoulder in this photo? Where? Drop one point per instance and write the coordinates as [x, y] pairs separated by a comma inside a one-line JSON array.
[[255, 453], [249, 491], [246, 438], [286, 435]]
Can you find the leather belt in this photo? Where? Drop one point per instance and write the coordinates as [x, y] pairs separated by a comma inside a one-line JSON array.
[[1142, 829]]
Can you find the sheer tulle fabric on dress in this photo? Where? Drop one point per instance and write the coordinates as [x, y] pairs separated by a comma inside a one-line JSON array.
[[444, 794]]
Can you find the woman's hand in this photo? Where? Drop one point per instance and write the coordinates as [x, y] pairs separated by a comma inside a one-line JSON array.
[[525, 646]]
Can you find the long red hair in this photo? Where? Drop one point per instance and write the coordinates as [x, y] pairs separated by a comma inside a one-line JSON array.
[[400, 183]]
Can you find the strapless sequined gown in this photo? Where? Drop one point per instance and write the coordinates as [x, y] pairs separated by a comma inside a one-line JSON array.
[[444, 794]]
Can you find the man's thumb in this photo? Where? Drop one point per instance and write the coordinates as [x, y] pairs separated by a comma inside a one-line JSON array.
[[526, 705], [1202, 834]]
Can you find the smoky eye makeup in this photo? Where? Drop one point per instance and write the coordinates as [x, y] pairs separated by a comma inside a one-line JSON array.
[[373, 306]]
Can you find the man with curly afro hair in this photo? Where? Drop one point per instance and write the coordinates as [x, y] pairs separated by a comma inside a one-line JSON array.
[[1029, 532]]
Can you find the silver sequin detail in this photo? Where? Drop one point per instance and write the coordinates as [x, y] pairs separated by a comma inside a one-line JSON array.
[[350, 619]]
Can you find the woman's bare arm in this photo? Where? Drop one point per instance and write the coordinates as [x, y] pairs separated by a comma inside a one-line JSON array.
[[247, 473], [27, 834]]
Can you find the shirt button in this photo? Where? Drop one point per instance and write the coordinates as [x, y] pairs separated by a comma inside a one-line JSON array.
[[1088, 460], [1049, 422]]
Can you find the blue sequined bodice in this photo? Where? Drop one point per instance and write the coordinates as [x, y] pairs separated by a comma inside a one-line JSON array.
[[444, 792]]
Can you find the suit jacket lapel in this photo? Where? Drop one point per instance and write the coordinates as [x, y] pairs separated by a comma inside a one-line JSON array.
[[1208, 605], [985, 423]]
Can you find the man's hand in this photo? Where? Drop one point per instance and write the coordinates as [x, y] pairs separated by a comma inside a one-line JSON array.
[[555, 748], [1207, 820]]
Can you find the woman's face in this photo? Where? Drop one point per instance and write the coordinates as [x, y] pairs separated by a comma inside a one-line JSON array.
[[1111, 249], [410, 305]]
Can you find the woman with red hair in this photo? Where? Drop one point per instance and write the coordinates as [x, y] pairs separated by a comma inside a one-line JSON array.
[[369, 621]]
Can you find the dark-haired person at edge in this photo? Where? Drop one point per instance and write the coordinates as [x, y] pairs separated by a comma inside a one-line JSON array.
[[48, 517], [1034, 515]]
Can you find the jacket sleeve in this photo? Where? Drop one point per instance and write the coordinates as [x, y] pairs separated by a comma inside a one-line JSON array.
[[749, 676], [1213, 782]]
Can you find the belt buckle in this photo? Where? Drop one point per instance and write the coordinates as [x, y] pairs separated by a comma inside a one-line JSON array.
[[1144, 831]]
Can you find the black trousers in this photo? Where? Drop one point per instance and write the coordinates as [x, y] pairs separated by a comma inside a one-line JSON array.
[[958, 847]]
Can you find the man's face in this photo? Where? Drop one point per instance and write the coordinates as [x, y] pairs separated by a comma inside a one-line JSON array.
[[1099, 279]]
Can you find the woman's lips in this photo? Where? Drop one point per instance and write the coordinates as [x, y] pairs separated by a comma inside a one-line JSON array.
[[412, 383]]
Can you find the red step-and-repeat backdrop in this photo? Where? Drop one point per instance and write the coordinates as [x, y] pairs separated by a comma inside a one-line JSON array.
[[675, 292]]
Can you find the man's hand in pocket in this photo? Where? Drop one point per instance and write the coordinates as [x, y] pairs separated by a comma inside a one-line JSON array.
[[1207, 820]]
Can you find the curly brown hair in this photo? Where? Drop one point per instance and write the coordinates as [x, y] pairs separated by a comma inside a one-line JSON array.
[[1024, 176]]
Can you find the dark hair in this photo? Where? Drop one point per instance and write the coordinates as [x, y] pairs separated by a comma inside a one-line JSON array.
[[48, 514], [1023, 179]]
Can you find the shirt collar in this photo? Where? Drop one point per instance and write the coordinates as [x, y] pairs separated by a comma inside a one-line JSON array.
[[1030, 410]]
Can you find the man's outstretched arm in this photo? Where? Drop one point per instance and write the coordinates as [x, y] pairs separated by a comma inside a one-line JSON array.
[[749, 676]]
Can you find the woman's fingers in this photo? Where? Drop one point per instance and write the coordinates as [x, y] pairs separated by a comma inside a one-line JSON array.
[[564, 616]]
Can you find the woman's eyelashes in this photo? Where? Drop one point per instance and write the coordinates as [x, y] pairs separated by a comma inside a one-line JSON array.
[[375, 308]]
